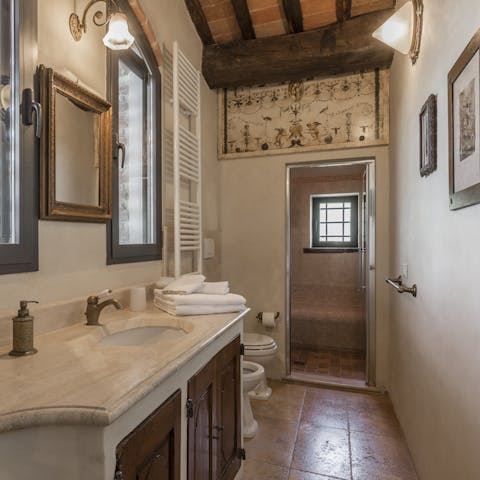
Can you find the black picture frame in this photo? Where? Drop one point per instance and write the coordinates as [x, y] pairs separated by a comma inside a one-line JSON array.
[[464, 145], [428, 136]]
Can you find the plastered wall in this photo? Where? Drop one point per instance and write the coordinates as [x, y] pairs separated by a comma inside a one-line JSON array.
[[434, 338], [72, 256], [253, 223]]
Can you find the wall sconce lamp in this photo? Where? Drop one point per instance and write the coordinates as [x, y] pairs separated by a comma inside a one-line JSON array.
[[403, 30], [118, 37]]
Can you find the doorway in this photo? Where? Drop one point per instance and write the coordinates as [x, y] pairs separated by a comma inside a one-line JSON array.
[[331, 273]]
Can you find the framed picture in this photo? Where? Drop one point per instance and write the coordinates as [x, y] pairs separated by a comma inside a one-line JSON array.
[[464, 127], [428, 136]]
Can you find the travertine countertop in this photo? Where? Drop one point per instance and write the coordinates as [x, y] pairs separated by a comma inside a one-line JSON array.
[[75, 379]]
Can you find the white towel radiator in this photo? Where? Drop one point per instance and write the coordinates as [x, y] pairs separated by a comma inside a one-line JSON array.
[[186, 162]]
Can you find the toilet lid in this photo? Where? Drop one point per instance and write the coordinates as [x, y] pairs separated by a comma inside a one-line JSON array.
[[255, 341]]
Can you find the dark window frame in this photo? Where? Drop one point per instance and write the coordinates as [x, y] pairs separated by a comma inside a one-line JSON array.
[[23, 257], [116, 253], [315, 242]]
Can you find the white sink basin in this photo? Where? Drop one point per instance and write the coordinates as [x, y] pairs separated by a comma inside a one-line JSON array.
[[143, 336]]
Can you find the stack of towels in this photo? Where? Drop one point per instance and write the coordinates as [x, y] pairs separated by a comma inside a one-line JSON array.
[[192, 295]]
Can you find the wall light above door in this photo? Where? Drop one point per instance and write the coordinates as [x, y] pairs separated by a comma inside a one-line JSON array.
[[403, 30], [118, 37]]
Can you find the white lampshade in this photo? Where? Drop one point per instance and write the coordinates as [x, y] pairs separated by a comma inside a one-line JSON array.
[[397, 31], [118, 36]]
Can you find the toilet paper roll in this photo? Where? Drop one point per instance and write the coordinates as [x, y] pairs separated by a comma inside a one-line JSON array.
[[138, 299], [268, 319]]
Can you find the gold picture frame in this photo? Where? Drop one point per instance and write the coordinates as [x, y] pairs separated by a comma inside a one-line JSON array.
[[57, 88]]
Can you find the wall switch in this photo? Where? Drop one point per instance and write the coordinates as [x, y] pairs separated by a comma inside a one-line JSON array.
[[208, 248], [405, 270]]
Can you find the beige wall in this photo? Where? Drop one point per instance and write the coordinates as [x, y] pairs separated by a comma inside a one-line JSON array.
[[254, 220], [73, 255], [434, 338]]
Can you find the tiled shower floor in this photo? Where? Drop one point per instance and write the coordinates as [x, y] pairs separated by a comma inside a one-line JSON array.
[[318, 434], [329, 364]]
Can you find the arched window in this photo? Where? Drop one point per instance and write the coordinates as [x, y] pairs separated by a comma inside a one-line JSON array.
[[135, 232]]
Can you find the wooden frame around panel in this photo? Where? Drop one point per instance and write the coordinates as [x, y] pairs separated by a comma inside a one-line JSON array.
[[51, 82], [429, 110], [471, 195]]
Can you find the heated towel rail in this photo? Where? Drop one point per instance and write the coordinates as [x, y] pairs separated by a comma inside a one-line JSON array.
[[186, 161]]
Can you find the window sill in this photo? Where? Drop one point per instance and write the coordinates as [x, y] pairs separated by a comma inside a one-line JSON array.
[[330, 250]]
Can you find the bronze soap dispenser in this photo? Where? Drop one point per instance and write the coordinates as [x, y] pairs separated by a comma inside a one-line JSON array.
[[23, 331]]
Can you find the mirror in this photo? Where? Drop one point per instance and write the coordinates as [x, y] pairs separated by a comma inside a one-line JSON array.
[[77, 182], [75, 151]]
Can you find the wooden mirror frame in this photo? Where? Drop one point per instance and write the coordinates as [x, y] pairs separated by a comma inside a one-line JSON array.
[[50, 83]]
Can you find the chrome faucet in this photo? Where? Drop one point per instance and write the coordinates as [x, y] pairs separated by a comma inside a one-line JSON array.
[[94, 308]]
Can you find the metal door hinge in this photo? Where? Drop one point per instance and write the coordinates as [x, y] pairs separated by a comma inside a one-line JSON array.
[[242, 349], [189, 408], [242, 454]]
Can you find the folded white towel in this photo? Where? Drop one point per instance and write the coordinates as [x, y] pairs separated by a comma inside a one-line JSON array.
[[185, 284], [200, 299], [214, 288], [186, 310], [162, 282]]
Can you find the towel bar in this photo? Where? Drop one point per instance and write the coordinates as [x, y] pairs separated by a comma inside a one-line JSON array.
[[397, 283]]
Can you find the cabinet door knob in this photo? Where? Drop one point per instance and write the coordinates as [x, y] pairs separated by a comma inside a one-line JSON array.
[[219, 428]]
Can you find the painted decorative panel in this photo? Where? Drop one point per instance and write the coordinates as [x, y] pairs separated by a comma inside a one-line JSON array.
[[317, 114]]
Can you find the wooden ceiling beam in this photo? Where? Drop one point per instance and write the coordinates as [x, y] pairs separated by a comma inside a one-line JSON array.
[[344, 10], [200, 21], [293, 14], [244, 20], [342, 48]]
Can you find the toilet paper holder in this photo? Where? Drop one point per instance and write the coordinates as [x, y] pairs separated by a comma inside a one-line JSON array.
[[260, 316]]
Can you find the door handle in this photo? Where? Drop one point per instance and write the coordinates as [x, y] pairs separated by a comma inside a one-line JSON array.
[[119, 147], [28, 107]]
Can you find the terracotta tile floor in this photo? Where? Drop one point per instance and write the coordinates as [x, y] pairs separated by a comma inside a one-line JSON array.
[[308, 433], [329, 363]]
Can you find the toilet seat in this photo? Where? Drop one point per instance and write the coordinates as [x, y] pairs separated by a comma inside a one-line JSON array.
[[256, 341], [260, 349], [257, 345], [252, 371], [260, 353]]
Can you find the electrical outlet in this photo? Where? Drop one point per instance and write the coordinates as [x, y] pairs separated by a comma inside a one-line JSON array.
[[405, 270], [208, 248]]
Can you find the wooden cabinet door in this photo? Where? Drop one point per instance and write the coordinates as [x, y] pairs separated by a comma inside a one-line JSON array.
[[228, 413], [201, 449], [214, 435], [152, 450]]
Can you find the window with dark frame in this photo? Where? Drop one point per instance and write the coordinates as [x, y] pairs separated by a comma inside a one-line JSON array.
[[334, 221], [18, 172], [134, 233]]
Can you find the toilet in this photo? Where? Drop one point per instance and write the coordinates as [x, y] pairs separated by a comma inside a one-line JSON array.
[[252, 374], [260, 349]]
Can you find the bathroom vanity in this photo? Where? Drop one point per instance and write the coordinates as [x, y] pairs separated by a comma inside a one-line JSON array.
[[143, 396]]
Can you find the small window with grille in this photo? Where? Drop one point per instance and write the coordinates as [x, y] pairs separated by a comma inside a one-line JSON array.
[[334, 221]]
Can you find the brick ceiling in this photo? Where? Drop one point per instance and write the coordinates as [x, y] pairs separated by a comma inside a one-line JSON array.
[[268, 17]]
